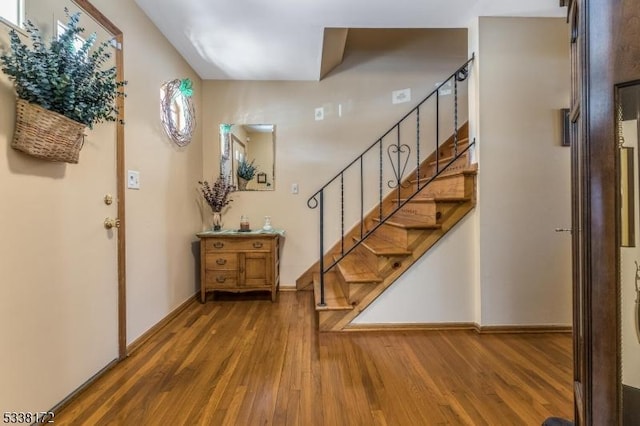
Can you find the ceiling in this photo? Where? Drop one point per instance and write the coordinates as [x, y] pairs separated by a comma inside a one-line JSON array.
[[283, 39]]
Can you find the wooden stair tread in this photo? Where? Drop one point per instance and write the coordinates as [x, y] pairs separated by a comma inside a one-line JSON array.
[[446, 160], [354, 269], [382, 247], [407, 223], [334, 297], [462, 143], [442, 198], [467, 171], [415, 200]]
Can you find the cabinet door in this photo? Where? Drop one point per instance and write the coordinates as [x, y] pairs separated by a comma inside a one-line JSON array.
[[257, 270]]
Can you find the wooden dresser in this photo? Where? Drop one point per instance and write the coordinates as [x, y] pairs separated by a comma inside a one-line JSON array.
[[239, 262]]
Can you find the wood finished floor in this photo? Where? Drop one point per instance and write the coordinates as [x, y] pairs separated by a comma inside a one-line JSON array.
[[246, 361]]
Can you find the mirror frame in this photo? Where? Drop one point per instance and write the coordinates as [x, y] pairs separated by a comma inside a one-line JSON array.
[[228, 162]]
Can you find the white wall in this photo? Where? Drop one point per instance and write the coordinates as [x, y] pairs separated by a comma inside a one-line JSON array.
[[524, 178], [504, 264]]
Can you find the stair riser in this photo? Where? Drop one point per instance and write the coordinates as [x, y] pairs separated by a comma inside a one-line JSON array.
[[383, 265], [357, 291], [400, 236], [457, 186], [457, 166], [391, 264], [351, 290], [424, 211], [449, 151], [369, 258], [343, 284]]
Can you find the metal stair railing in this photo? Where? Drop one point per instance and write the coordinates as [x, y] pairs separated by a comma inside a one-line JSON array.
[[398, 154]]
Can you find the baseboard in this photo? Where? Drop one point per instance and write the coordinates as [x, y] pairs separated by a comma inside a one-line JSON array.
[[136, 344], [291, 288], [522, 329], [412, 326], [73, 395], [487, 329]]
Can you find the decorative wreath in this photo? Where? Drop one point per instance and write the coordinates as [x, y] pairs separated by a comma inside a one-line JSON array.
[[178, 112]]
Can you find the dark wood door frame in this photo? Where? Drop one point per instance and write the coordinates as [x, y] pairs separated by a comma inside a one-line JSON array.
[[91, 10], [598, 402]]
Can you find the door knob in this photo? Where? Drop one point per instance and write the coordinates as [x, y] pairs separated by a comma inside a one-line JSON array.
[[563, 230], [111, 223]]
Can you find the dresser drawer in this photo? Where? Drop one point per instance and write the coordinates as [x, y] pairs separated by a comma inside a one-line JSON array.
[[235, 244], [221, 261], [221, 279]]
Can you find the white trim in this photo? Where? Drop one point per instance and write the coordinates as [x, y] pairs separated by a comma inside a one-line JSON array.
[[11, 25], [19, 19]]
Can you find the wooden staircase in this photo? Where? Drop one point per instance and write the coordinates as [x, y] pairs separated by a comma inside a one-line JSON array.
[[365, 273]]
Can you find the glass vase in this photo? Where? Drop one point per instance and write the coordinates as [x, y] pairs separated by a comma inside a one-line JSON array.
[[217, 221]]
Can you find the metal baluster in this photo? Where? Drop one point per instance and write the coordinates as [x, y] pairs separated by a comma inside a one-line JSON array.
[[322, 271], [418, 147], [380, 186], [361, 199], [398, 177], [455, 115], [437, 131], [342, 214]]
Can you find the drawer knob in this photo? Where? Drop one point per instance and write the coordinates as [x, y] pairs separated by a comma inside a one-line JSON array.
[[221, 279], [257, 244], [221, 261], [218, 244]]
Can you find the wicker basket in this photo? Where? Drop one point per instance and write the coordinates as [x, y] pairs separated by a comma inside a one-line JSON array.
[[46, 134]]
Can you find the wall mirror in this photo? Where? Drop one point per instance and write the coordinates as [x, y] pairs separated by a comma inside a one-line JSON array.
[[627, 131], [252, 144]]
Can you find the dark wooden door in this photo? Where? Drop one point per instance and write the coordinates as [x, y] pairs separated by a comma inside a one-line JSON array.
[[594, 212], [577, 211]]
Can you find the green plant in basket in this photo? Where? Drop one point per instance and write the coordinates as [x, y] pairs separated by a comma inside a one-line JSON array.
[[62, 78]]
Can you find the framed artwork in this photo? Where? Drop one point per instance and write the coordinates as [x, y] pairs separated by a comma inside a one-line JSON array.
[[262, 177]]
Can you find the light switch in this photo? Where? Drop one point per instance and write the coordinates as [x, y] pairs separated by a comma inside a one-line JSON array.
[[294, 188], [133, 179]]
